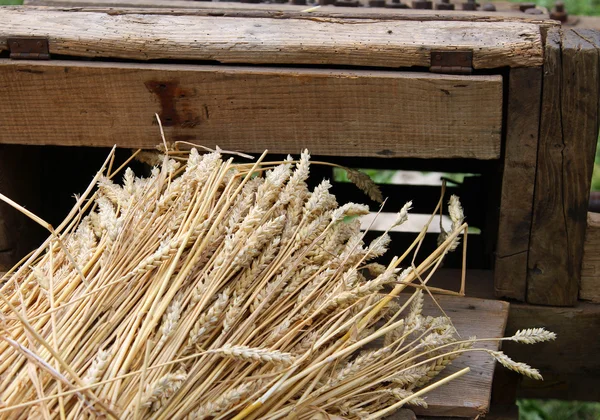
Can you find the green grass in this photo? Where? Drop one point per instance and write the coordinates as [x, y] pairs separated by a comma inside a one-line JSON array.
[[574, 7], [596, 173], [10, 2], [558, 410]]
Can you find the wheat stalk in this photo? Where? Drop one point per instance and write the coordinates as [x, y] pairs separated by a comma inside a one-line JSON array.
[[214, 288]]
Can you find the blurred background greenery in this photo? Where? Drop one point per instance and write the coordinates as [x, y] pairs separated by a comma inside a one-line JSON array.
[[574, 7], [558, 410]]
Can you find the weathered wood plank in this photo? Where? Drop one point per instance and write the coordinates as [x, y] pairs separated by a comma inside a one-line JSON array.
[[504, 9], [568, 134], [590, 269], [365, 42], [570, 364], [469, 395], [518, 181], [355, 113]]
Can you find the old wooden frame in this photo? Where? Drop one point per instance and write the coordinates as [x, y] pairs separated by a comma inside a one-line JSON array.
[[383, 113], [551, 121], [267, 40], [518, 180], [506, 10], [529, 266], [568, 134]]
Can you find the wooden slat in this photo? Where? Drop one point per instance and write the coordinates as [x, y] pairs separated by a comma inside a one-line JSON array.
[[568, 135], [469, 395], [381, 43], [518, 181], [570, 364], [356, 113], [590, 269], [505, 10]]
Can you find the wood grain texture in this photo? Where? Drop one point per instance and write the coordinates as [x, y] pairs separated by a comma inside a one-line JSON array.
[[518, 181], [568, 135], [356, 42], [469, 395], [344, 113], [504, 10], [590, 269], [570, 365]]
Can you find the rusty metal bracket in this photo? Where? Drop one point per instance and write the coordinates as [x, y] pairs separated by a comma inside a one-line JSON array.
[[451, 62], [29, 48]]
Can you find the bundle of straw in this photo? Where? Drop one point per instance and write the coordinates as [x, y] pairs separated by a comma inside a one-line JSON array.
[[214, 289]]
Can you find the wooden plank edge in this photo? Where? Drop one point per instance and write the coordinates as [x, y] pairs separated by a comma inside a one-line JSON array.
[[287, 11], [322, 41], [518, 181], [590, 269], [568, 133], [243, 108], [473, 309]]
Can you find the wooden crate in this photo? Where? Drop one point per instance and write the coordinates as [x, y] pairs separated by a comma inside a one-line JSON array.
[[363, 87]]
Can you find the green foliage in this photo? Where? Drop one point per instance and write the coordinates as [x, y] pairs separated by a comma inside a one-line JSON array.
[[596, 174], [574, 7], [558, 410], [377, 175], [10, 2]]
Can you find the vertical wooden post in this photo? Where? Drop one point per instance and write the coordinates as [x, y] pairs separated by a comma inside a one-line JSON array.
[[568, 135], [518, 179]]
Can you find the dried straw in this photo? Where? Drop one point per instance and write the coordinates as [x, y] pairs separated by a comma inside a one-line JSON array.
[[225, 290]]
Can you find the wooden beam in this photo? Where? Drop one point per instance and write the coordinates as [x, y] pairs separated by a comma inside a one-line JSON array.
[[570, 365], [330, 112], [366, 42], [518, 181], [505, 10], [568, 135], [590, 270]]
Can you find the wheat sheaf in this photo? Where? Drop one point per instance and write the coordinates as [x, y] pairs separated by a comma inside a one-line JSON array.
[[223, 288]]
